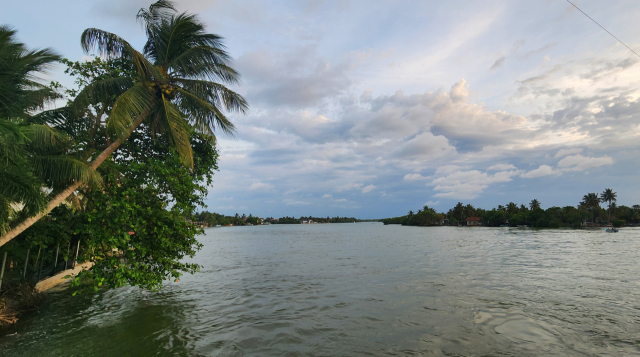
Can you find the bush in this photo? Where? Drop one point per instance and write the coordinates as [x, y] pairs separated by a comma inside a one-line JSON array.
[[618, 222]]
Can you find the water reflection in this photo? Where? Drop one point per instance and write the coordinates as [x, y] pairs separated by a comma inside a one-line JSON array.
[[366, 289]]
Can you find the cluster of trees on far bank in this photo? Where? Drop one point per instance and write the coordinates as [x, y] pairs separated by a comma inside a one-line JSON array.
[[208, 219], [588, 212], [309, 219]]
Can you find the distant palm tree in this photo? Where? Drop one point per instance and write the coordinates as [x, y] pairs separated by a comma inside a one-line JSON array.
[[608, 196], [179, 86], [534, 204], [591, 201], [469, 210], [512, 208], [458, 211]]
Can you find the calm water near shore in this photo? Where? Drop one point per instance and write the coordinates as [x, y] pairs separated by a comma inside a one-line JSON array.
[[365, 289]]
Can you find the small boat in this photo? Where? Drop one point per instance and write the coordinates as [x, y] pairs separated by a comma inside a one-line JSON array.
[[611, 230]]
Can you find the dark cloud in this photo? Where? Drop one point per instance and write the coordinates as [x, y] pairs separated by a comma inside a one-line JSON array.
[[297, 78], [499, 62]]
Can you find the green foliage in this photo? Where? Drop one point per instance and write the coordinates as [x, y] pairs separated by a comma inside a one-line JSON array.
[[287, 220], [424, 217], [137, 227], [618, 222]]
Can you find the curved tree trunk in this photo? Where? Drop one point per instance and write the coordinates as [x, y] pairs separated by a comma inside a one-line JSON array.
[[69, 190]]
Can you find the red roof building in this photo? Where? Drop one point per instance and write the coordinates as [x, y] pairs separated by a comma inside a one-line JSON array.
[[474, 221]]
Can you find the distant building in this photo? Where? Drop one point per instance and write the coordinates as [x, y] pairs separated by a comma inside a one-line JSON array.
[[474, 221]]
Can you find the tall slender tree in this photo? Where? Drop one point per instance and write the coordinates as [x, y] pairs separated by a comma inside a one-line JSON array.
[[179, 86], [609, 196], [534, 204], [591, 202]]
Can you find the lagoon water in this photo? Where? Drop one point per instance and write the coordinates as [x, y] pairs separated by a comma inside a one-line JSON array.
[[365, 290]]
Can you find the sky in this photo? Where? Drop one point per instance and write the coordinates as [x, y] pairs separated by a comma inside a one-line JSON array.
[[371, 109]]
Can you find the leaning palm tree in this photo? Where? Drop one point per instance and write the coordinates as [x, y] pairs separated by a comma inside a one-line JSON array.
[[534, 204], [608, 196], [32, 156], [591, 201], [179, 86]]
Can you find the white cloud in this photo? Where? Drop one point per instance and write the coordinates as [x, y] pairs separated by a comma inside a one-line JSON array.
[[501, 167], [565, 152], [543, 170], [340, 200], [292, 202], [468, 184], [368, 188], [349, 186], [581, 163], [327, 195], [260, 186], [448, 169], [431, 203], [414, 177]]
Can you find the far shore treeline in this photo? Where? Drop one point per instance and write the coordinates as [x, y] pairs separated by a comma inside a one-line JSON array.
[[588, 213], [208, 219]]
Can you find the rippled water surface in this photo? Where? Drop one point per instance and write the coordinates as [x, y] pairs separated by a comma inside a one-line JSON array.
[[365, 289]]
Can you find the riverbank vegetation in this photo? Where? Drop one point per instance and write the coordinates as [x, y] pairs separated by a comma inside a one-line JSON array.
[[310, 219], [116, 174], [208, 219], [587, 213]]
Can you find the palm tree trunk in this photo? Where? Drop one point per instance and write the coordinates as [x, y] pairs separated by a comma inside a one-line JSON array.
[[69, 190]]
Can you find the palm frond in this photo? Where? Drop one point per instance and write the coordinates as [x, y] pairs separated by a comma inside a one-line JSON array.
[[181, 45], [21, 88], [107, 44], [55, 116], [155, 13], [19, 185], [102, 90], [59, 171], [10, 130], [43, 136], [178, 132], [216, 94], [204, 116], [128, 107], [110, 45]]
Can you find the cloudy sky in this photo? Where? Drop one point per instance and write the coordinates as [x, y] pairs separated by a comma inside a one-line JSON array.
[[370, 109]]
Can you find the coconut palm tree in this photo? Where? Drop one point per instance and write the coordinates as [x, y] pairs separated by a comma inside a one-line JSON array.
[[179, 86], [458, 211], [32, 156], [591, 201], [608, 196], [534, 204]]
